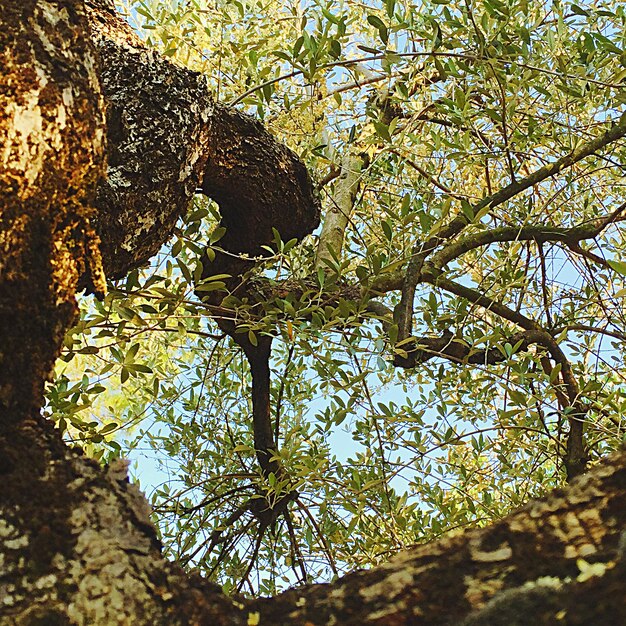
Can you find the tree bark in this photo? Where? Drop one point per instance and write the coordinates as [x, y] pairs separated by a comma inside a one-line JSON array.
[[76, 542], [168, 138], [77, 547], [51, 158]]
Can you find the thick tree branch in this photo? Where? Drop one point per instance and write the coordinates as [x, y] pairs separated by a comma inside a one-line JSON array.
[[259, 185], [157, 131], [528, 561], [77, 543], [455, 349], [403, 312], [167, 138]]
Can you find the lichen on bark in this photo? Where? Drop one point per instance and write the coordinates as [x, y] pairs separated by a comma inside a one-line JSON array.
[[168, 138]]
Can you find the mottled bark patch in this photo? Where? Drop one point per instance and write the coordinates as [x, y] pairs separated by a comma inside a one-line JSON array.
[[157, 129], [166, 138]]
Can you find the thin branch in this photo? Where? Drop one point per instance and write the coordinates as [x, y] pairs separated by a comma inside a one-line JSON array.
[[334, 172], [409, 55], [357, 84], [393, 281], [431, 179], [227, 546], [320, 536], [215, 537], [281, 391], [296, 553], [576, 248], [576, 458], [384, 464], [349, 63], [617, 131], [221, 497], [592, 329], [544, 283], [253, 557], [476, 297], [541, 234]]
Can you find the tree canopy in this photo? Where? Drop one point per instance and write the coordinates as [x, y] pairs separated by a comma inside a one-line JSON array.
[[446, 345]]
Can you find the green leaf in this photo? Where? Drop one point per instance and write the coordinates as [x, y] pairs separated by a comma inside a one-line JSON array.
[[197, 215], [377, 23], [212, 285], [618, 266], [88, 350], [386, 226], [382, 130], [578, 10], [369, 49], [108, 428], [216, 277]]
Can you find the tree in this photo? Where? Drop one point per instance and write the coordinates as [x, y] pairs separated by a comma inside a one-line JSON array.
[[78, 543]]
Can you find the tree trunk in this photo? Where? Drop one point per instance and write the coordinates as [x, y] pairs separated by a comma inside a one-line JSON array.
[[76, 542], [52, 130]]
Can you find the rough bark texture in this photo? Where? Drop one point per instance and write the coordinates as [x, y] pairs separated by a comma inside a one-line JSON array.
[[51, 156], [76, 543], [157, 133], [76, 547], [339, 212], [167, 138], [259, 185]]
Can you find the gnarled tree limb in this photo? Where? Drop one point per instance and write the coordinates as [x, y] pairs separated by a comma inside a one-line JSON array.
[[527, 567]]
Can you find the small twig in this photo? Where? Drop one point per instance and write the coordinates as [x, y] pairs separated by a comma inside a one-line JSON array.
[[544, 286], [320, 536], [281, 391], [253, 558], [296, 554], [592, 329], [431, 179], [334, 173]]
